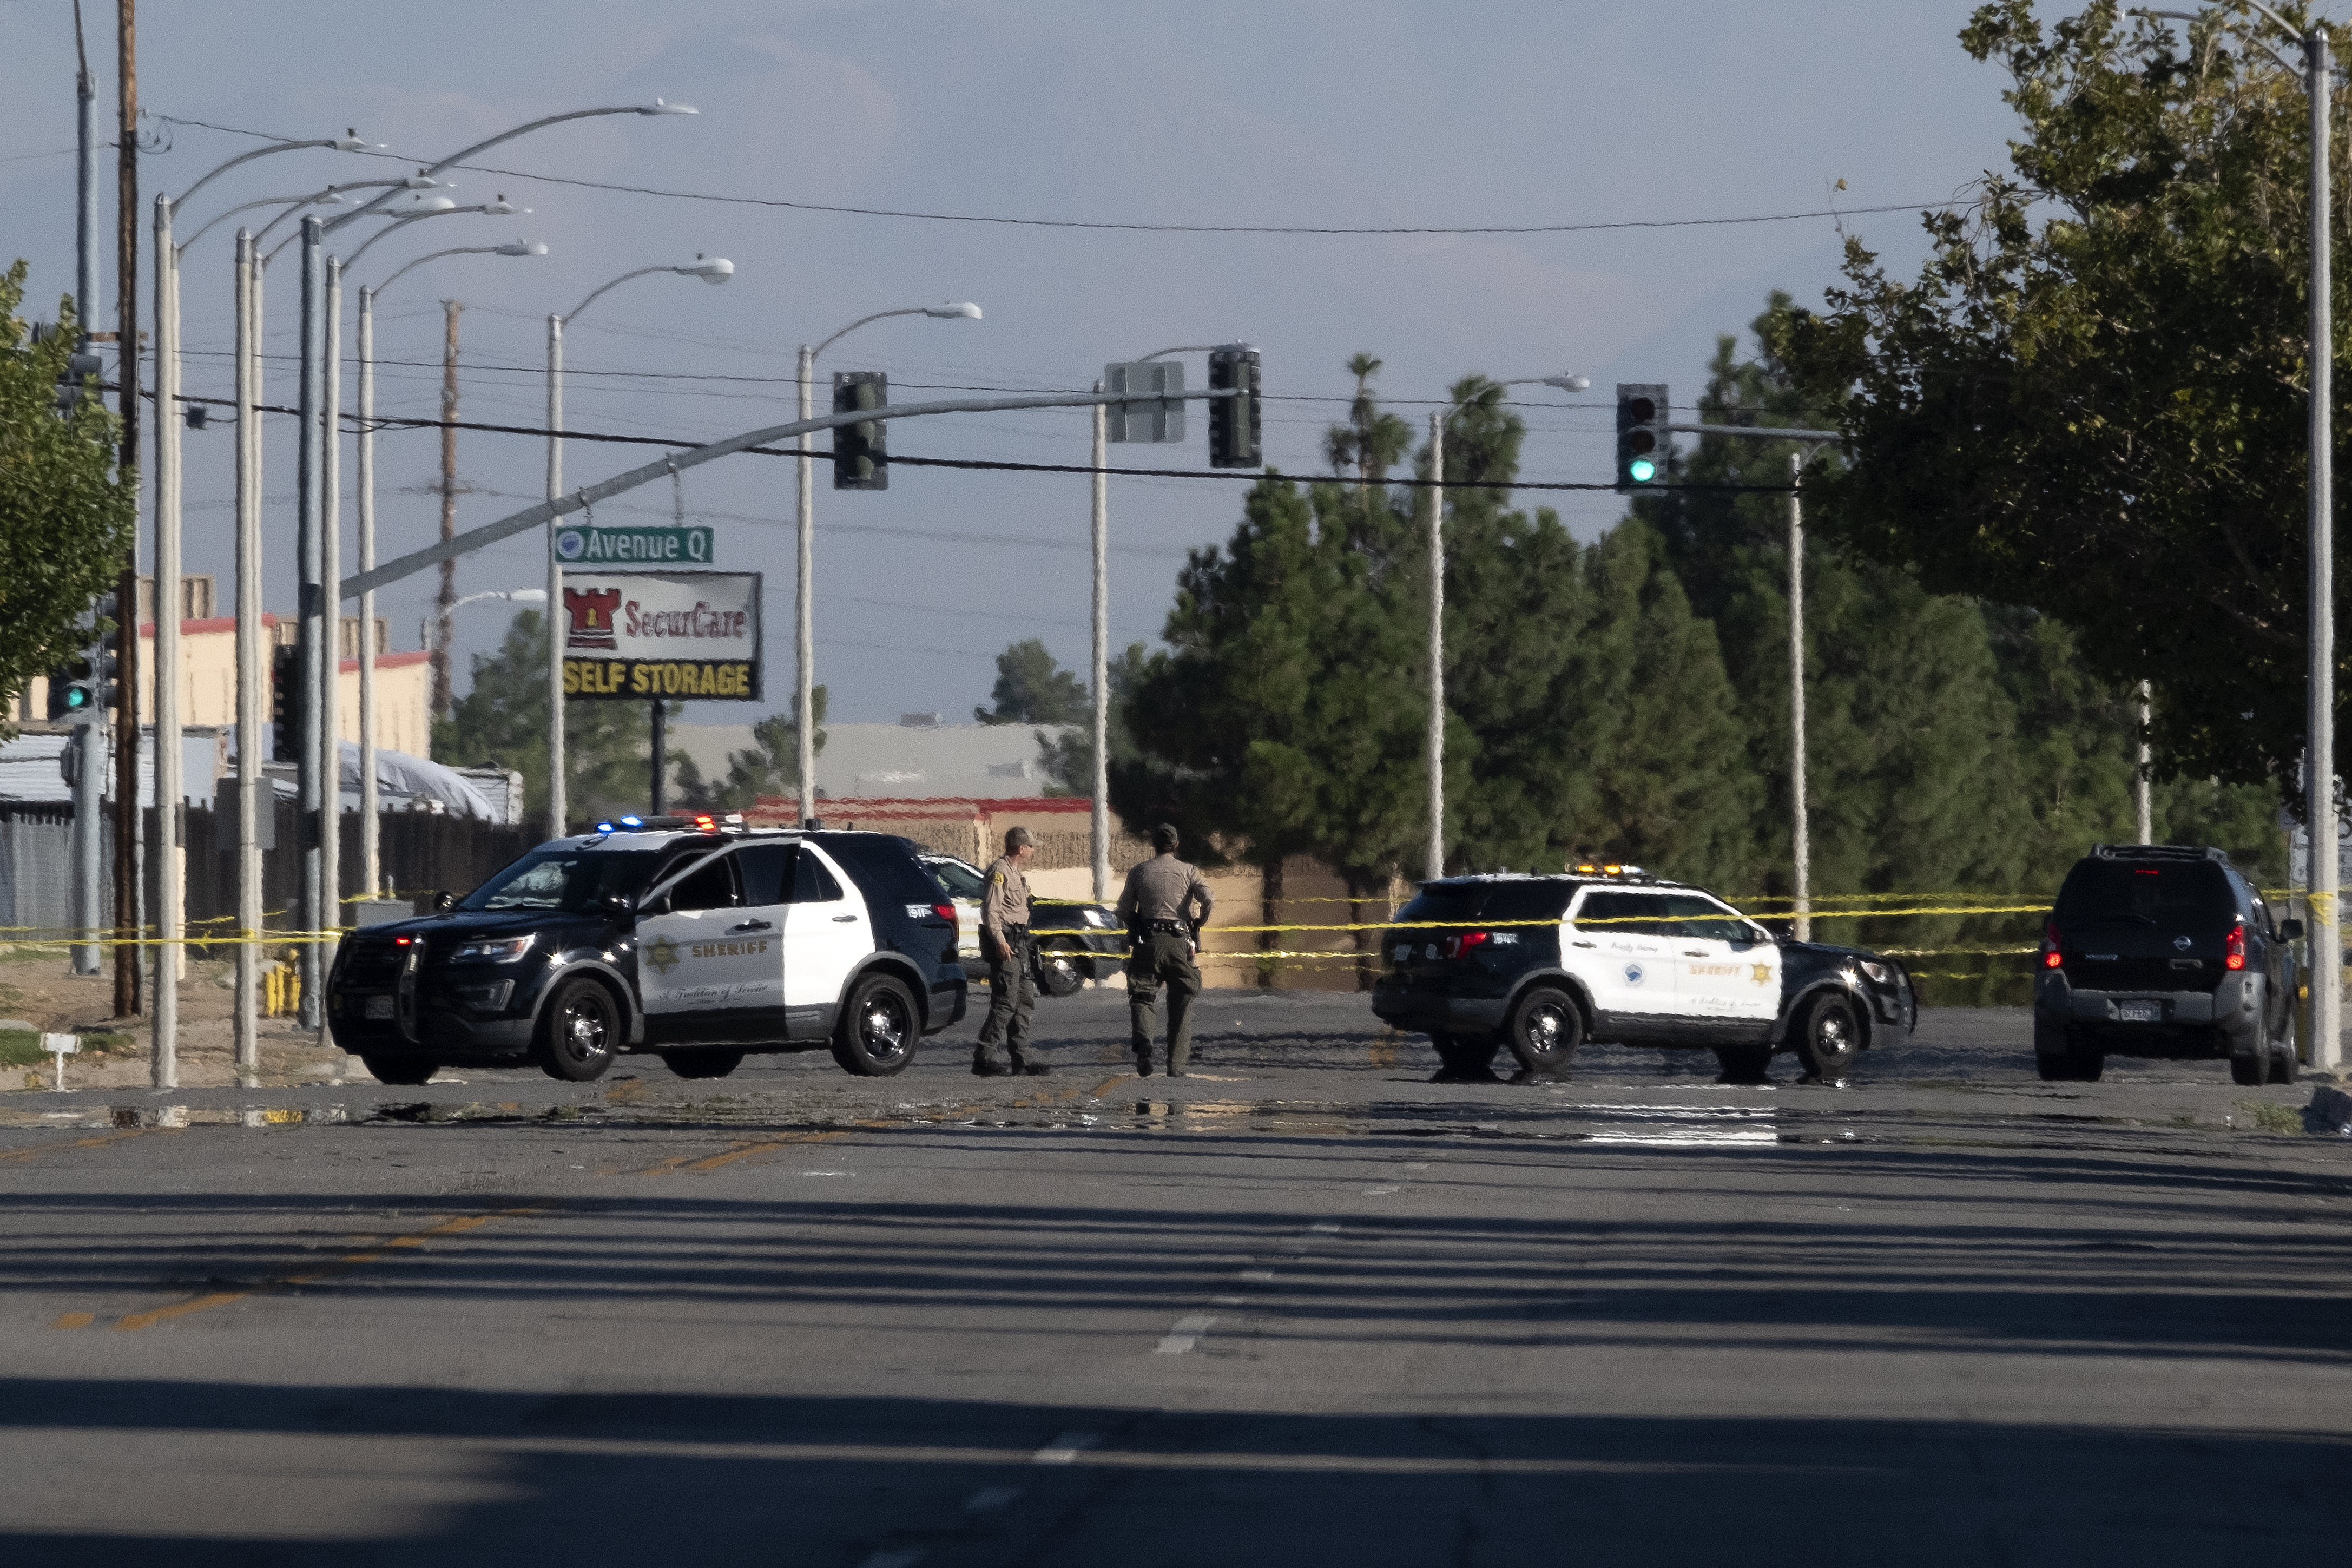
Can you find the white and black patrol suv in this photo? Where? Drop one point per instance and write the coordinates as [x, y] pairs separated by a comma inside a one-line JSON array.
[[1544, 963], [692, 937]]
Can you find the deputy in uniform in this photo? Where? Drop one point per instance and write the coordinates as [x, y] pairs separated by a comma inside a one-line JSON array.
[[1163, 931], [1004, 943]]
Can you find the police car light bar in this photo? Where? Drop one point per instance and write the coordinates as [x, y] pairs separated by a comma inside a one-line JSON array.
[[702, 822]]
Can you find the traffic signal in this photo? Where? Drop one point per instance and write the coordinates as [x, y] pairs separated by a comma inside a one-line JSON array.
[[70, 689], [861, 458], [1233, 421], [284, 704], [1642, 439]]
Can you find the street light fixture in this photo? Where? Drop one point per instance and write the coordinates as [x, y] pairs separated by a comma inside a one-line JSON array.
[[313, 660], [370, 829], [804, 521], [164, 847], [1434, 747], [713, 270]]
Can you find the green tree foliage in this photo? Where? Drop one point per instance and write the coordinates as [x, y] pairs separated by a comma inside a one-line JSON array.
[[67, 513], [1068, 760], [769, 766], [501, 723], [2092, 401], [1032, 688]]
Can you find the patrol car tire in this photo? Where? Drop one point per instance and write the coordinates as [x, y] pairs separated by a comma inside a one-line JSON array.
[[399, 1069], [578, 1032], [879, 1028], [1743, 1064], [1544, 1030], [1467, 1053], [1830, 1042], [702, 1064], [1057, 972], [2250, 1072]]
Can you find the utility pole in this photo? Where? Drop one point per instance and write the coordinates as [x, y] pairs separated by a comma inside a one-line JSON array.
[[126, 600], [559, 621], [1800, 850], [1437, 645], [88, 740], [1100, 815], [447, 599], [2325, 928], [2140, 779], [804, 602]]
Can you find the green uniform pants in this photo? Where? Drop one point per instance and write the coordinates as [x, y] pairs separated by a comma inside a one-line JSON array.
[[1158, 958], [1011, 997]]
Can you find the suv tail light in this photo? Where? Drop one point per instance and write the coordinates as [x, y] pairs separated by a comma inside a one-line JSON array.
[[2050, 959], [2234, 947], [1460, 946]]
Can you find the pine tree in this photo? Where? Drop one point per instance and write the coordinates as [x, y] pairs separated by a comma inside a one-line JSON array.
[[1033, 689]]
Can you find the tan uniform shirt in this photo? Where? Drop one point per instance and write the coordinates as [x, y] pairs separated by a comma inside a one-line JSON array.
[[1006, 900], [1164, 888]]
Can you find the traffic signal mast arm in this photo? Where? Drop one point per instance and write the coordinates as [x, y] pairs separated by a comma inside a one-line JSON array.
[[538, 515], [1755, 432]]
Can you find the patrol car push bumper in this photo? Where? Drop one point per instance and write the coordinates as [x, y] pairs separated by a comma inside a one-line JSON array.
[[2234, 1007]]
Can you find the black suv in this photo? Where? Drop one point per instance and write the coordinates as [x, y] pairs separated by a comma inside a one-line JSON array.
[[687, 936], [1542, 963], [2163, 950]]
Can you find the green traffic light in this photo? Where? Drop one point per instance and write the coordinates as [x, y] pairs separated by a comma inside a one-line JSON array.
[[77, 697], [1642, 470]]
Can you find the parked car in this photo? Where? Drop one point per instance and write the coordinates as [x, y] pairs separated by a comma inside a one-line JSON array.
[[692, 937], [1077, 941], [1542, 963], [2164, 950]]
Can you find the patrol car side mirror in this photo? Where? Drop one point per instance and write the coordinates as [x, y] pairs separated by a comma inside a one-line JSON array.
[[615, 903], [2290, 931], [444, 902]]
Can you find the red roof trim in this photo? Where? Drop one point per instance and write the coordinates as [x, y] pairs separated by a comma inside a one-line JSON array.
[[386, 661], [206, 628]]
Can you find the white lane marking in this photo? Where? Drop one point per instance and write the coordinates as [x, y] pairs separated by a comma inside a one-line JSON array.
[[893, 1560], [1066, 1448], [1227, 1301], [1258, 1276], [1377, 1191], [1183, 1336], [1324, 1227], [1680, 1140], [988, 1500]]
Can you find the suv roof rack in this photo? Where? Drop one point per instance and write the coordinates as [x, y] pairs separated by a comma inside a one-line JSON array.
[[2159, 852]]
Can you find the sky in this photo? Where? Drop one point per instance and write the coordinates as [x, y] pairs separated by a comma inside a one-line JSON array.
[[1318, 113]]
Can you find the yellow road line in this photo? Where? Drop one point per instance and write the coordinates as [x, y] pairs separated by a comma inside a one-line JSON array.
[[31, 1150], [75, 1320], [458, 1226]]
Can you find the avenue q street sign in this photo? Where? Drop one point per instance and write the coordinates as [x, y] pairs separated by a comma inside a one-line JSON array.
[[636, 636], [595, 545]]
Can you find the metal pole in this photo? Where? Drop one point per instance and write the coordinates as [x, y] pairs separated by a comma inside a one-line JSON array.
[[2326, 936], [330, 657], [558, 621], [1100, 818], [659, 802], [311, 644], [447, 598], [252, 711], [1437, 645], [86, 740], [2142, 794], [1801, 835], [126, 343], [804, 603], [163, 846], [371, 825], [86, 192]]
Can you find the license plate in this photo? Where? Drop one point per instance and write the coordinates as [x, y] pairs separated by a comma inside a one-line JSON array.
[[1404, 952], [2140, 1012], [379, 1006]]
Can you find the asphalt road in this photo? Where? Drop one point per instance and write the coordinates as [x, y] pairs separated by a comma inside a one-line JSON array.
[[1304, 1307]]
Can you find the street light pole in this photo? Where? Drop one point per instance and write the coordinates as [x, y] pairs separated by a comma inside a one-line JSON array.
[[804, 522], [1436, 742], [710, 269], [1801, 848], [2326, 936], [250, 707], [1099, 817]]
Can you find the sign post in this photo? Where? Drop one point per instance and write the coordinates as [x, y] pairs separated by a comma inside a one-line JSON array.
[[61, 1047]]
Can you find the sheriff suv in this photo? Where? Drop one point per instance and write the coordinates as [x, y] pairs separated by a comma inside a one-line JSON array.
[[1542, 963], [2163, 950], [689, 937]]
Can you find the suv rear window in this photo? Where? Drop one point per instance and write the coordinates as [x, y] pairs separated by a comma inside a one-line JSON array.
[[884, 866], [1527, 900], [2172, 896], [1452, 905]]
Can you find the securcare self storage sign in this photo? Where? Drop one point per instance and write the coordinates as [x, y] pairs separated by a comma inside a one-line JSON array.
[[636, 636]]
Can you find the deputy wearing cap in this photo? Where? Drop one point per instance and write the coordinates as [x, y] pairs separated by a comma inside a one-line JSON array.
[[1004, 943], [1163, 934]]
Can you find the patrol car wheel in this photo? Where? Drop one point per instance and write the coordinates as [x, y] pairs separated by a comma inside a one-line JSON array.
[[702, 1064], [1467, 1053], [399, 1069], [1831, 1041], [1544, 1030], [578, 1032], [879, 1029], [2282, 1063], [1057, 972]]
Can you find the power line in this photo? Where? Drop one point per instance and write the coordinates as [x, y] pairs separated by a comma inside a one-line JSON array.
[[1134, 227]]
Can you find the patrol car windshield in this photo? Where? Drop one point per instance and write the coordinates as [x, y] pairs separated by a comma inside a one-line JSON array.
[[571, 879], [2191, 897]]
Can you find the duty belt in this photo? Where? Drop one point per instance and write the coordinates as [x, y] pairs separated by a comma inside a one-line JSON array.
[[1171, 928], [1016, 934]]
